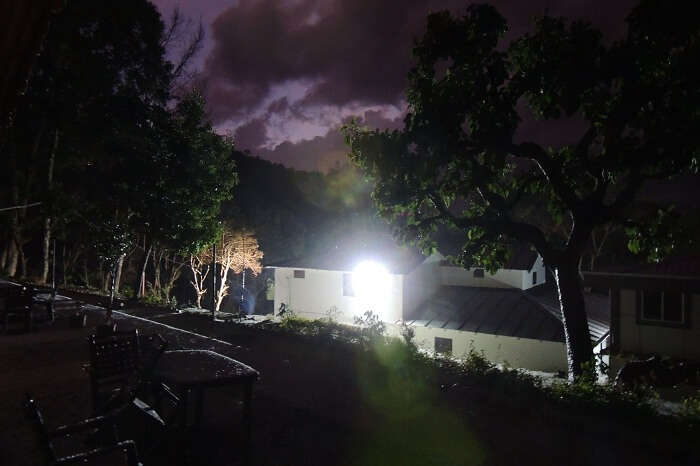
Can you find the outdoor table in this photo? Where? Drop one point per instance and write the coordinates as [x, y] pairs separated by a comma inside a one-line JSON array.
[[193, 371]]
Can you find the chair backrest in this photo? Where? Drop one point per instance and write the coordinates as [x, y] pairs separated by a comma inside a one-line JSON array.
[[19, 297], [42, 431], [122, 451], [114, 358], [121, 365]]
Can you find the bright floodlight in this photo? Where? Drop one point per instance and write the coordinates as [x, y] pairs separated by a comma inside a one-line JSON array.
[[371, 282]]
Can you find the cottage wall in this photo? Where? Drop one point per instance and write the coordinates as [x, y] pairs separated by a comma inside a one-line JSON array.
[[526, 353], [538, 271], [644, 338], [320, 290]]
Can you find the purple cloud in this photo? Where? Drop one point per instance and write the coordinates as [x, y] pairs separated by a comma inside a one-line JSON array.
[[283, 75]]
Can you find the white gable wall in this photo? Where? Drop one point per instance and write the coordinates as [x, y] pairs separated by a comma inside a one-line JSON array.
[[503, 278], [320, 290], [538, 268]]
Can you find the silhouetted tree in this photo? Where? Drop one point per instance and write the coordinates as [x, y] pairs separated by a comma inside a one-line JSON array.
[[458, 162]]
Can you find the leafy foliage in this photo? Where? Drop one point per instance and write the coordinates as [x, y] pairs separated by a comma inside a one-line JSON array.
[[372, 328], [460, 162]]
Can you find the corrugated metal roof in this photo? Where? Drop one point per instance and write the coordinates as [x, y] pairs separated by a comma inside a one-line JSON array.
[[597, 308], [496, 311]]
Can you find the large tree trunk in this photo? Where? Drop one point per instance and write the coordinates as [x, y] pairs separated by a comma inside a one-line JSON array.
[[573, 310], [85, 272], [142, 277], [113, 275], [12, 258], [47, 220], [117, 279], [23, 261], [3, 256]]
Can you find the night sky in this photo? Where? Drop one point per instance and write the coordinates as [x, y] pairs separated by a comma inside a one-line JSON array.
[[283, 75]]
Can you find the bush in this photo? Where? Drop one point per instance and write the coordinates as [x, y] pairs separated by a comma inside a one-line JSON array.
[[476, 364], [371, 328], [690, 410], [408, 333]]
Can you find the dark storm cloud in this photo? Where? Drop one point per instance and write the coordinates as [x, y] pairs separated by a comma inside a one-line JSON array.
[[251, 134], [354, 50], [287, 73]]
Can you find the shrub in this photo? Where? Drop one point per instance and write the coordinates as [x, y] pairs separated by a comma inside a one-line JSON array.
[[407, 332], [690, 410], [371, 328], [332, 314], [476, 363]]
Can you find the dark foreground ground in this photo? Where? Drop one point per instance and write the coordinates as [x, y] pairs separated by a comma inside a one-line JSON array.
[[332, 404]]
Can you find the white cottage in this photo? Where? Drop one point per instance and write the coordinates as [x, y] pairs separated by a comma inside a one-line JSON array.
[[654, 309], [452, 309]]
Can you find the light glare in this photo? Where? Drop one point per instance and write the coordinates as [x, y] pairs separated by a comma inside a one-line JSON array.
[[371, 282]]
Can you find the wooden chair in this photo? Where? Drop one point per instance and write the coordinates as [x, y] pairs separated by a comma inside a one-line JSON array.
[[121, 365], [114, 450], [114, 359], [18, 306]]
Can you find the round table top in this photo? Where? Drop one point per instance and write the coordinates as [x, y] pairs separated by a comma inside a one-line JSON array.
[[201, 367]]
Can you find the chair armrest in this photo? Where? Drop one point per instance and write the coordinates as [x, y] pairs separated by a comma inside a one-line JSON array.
[[90, 423], [128, 446], [167, 391]]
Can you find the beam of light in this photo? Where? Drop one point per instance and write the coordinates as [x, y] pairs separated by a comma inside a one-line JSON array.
[[371, 283]]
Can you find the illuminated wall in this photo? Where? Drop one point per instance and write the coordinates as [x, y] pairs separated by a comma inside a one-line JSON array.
[[320, 290]]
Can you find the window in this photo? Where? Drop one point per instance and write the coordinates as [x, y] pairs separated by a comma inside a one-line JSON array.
[[443, 345], [534, 278], [478, 273], [665, 307], [347, 285], [300, 274]]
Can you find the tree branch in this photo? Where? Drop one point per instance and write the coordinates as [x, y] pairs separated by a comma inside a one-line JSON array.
[[549, 169], [517, 230]]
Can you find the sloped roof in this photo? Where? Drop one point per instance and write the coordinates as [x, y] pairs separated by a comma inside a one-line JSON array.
[[523, 258], [678, 266], [597, 308], [496, 311], [344, 256]]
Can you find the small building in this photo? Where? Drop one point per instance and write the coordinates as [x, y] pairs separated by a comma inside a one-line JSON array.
[[654, 310], [451, 309]]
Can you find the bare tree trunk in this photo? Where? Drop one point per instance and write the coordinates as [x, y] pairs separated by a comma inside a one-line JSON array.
[[223, 286], [174, 272], [12, 258], [47, 220], [142, 278], [199, 276], [118, 277], [22, 260], [85, 271], [242, 289], [3, 257], [64, 271], [157, 260], [113, 274]]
